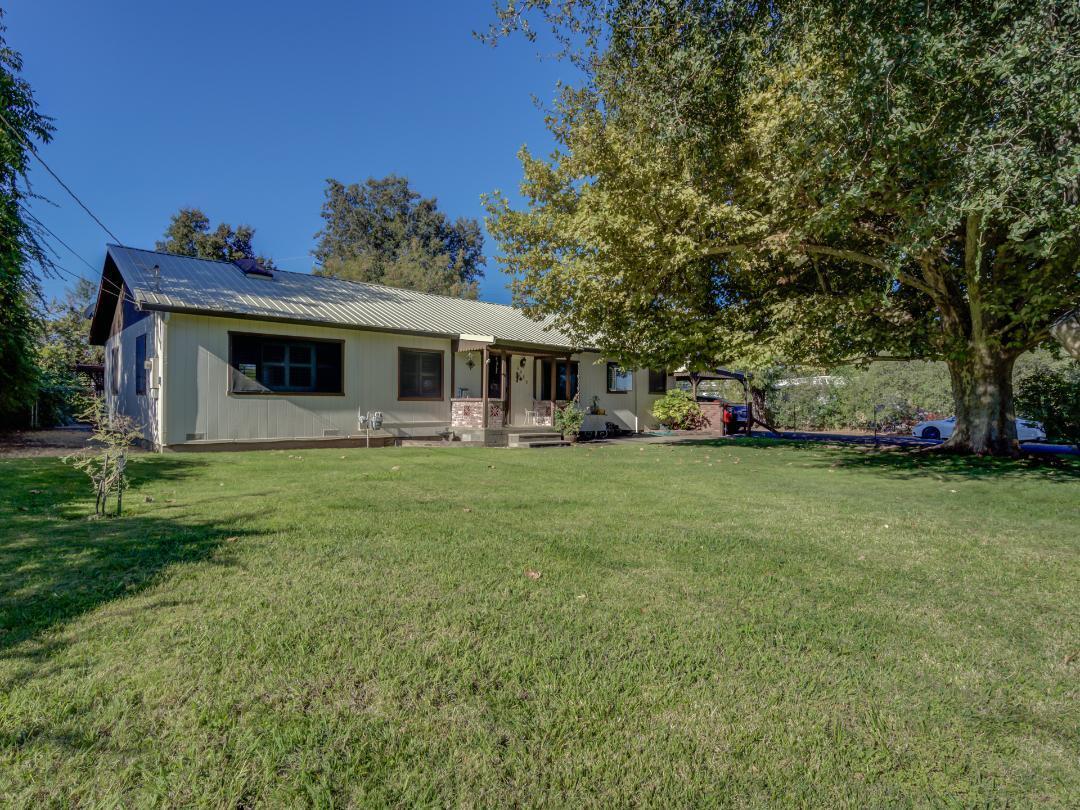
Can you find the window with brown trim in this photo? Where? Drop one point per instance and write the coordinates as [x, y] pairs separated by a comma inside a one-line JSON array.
[[420, 374], [657, 381], [277, 364]]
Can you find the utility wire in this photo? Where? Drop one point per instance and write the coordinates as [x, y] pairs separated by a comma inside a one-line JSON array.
[[56, 177]]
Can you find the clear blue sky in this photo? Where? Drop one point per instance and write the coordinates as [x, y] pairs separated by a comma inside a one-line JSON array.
[[244, 107]]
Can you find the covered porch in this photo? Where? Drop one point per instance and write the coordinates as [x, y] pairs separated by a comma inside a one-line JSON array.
[[497, 386]]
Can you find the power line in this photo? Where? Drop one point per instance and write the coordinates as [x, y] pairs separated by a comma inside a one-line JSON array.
[[71, 250], [56, 177]]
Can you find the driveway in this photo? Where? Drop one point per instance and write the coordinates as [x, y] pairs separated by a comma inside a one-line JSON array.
[[896, 440]]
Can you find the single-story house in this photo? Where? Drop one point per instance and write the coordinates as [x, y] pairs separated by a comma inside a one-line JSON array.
[[207, 353]]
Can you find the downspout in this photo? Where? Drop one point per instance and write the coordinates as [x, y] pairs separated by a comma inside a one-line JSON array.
[[162, 392]]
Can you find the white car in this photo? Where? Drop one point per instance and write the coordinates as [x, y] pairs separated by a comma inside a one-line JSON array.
[[1026, 429]]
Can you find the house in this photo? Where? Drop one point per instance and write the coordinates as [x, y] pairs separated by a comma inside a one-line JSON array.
[[205, 354]]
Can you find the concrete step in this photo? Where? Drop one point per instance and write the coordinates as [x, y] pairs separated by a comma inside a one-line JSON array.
[[514, 438], [536, 445]]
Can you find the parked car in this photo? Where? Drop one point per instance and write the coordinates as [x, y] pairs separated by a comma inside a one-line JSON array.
[[1026, 429], [735, 418]]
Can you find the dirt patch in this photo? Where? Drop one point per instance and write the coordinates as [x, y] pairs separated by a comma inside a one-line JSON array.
[[58, 442]]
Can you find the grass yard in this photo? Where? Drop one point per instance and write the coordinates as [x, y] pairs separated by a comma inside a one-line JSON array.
[[732, 624]]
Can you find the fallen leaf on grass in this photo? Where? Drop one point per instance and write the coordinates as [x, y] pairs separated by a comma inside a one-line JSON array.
[[232, 539], [148, 499], [35, 492], [395, 468], [467, 509], [532, 574]]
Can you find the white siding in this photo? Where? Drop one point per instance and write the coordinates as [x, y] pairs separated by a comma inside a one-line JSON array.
[[120, 361], [200, 405]]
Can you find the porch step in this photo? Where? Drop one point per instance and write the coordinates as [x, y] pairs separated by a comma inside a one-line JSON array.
[[514, 439]]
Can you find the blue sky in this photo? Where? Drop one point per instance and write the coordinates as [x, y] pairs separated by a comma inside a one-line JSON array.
[[244, 108]]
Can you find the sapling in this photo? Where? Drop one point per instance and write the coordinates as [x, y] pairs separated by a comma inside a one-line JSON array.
[[104, 459]]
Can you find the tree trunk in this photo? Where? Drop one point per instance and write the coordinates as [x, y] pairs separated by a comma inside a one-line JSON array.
[[760, 413], [983, 393]]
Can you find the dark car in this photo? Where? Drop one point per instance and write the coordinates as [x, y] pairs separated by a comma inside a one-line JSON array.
[[735, 418]]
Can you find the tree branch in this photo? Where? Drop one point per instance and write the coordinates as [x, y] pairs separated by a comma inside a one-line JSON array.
[[837, 253]]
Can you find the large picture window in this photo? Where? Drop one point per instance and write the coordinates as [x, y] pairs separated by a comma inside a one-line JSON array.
[[420, 374], [274, 364], [619, 380], [140, 364]]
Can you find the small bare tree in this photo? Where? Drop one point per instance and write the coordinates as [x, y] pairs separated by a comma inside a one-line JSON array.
[[104, 460]]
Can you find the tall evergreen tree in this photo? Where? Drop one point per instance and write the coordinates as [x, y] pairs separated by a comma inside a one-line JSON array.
[[382, 231], [21, 245]]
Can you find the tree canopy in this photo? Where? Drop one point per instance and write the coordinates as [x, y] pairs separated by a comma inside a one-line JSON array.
[[382, 231], [818, 182], [21, 245], [190, 234]]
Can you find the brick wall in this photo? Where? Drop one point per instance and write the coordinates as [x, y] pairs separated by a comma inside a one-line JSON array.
[[468, 413]]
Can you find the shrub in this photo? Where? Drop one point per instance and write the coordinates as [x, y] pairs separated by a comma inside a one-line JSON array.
[[569, 418], [1052, 396], [678, 410]]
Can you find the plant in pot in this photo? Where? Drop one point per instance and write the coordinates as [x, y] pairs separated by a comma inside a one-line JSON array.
[[568, 420]]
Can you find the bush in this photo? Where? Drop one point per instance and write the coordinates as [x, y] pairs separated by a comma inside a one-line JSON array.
[[678, 411], [1051, 395], [569, 418]]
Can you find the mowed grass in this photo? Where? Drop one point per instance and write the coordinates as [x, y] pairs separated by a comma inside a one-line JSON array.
[[727, 624]]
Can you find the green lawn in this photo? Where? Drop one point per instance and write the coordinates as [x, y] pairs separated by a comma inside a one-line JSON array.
[[713, 625]]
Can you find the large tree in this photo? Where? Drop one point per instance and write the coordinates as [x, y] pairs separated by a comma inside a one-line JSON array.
[[21, 245], [822, 182], [190, 234], [382, 231]]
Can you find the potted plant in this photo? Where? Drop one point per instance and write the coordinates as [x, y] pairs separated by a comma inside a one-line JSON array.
[[568, 420]]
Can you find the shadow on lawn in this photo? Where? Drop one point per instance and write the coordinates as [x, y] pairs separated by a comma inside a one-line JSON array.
[[56, 564], [914, 462]]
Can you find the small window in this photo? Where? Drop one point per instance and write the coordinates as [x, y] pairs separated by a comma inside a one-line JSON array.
[[273, 364], [420, 374], [619, 380], [140, 364], [657, 381], [114, 370]]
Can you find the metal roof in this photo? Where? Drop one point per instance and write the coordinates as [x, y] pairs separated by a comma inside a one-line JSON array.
[[188, 284]]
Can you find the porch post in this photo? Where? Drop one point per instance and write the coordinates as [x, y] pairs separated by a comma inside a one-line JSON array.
[[554, 393], [484, 385], [507, 360]]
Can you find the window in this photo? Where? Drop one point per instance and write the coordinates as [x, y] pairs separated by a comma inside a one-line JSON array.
[[619, 381], [657, 381], [560, 379], [140, 364], [274, 364], [114, 370], [420, 374]]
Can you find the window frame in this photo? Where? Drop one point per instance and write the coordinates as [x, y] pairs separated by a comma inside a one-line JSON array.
[[286, 339], [402, 350], [140, 364], [660, 373], [618, 369]]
